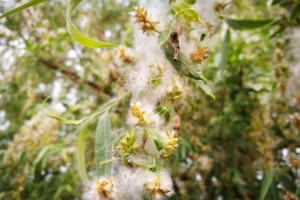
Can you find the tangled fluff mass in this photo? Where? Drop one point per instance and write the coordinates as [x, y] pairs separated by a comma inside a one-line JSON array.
[[149, 138]]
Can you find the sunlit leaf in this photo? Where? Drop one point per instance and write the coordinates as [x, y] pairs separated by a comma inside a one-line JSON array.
[[186, 11], [205, 88], [77, 35], [247, 24], [102, 144], [267, 181], [66, 121], [80, 154], [22, 7]]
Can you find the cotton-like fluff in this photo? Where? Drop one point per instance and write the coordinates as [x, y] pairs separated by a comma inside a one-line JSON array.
[[131, 182], [158, 185], [101, 189], [137, 183], [149, 54], [207, 12]]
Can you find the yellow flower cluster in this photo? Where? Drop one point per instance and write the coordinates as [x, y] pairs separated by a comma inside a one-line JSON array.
[[127, 145], [199, 55], [170, 146], [138, 113]]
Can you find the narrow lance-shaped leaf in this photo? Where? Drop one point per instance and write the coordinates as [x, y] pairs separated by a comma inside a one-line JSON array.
[[247, 24], [22, 7], [103, 143], [268, 179], [225, 50], [81, 136], [205, 88], [77, 35]]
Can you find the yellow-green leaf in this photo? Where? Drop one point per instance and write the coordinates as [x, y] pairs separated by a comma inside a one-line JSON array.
[[81, 136], [268, 179], [205, 88], [186, 12], [22, 7], [77, 35], [103, 151]]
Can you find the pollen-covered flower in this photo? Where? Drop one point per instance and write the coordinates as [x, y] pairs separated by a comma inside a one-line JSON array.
[[138, 113], [101, 189], [170, 145], [199, 55], [159, 185], [125, 56], [145, 21], [176, 93], [220, 6]]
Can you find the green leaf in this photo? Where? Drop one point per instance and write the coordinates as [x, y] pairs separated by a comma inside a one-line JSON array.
[[78, 36], [164, 36], [186, 11], [268, 179], [44, 154], [297, 192], [247, 24], [295, 11], [157, 139], [190, 1], [205, 88], [100, 111], [274, 2], [225, 47], [103, 142], [287, 181], [22, 7], [182, 65], [273, 192], [164, 112], [66, 121], [80, 154]]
